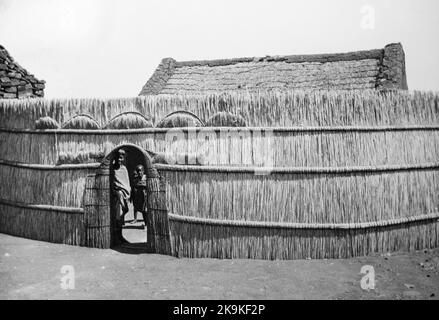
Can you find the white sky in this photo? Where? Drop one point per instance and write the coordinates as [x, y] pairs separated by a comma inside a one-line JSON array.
[[109, 48]]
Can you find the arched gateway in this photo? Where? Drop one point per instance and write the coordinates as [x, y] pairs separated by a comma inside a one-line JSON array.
[[100, 216]]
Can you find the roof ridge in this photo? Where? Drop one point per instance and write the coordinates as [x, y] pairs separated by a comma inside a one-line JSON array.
[[298, 58]]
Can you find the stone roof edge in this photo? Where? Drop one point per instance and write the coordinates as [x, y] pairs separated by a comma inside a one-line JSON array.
[[19, 68]]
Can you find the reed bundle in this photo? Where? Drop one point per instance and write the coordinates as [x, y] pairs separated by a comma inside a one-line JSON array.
[[81, 121], [81, 157], [179, 119], [129, 120], [225, 119], [316, 197], [272, 108], [313, 226], [46, 123]]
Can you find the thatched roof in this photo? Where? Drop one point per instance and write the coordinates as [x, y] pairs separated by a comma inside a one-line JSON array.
[[15, 81], [373, 69]]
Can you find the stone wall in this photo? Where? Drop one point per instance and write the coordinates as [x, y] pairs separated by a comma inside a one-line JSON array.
[[392, 73], [15, 81]]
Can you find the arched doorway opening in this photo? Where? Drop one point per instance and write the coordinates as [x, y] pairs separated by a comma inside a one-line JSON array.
[[134, 164], [152, 235]]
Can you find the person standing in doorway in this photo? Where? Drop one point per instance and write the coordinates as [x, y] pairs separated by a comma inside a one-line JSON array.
[[139, 195], [121, 187]]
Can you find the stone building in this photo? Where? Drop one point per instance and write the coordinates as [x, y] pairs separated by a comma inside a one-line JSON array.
[[15, 81], [372, 69]]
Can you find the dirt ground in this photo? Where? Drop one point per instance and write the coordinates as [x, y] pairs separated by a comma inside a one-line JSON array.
[[32, 270]]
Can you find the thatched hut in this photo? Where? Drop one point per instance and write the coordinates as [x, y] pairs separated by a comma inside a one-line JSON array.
[[314, 174], [372, 69]]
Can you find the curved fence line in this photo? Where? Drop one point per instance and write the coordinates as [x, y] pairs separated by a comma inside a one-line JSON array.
[[42, 207], [287, 225], [231, 129]]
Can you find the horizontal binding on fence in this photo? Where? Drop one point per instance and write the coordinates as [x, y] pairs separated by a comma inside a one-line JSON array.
[[230, 129], [297, 170], [49, 166], [288, 225], [232, 169], [42, 207]]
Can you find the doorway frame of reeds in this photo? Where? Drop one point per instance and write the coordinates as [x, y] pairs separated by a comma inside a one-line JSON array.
[[157, 221]]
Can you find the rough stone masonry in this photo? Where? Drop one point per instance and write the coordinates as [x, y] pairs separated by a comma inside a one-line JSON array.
[[15, 81]]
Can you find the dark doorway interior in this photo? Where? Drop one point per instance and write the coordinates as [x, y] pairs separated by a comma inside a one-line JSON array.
[[134, 235]]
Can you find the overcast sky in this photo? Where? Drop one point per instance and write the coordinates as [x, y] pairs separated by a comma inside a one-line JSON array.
[[109, 48]]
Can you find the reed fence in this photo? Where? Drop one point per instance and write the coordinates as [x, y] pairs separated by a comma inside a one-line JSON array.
[[272, 108], [42, 184], [208, 239], [323, 174], [303, 195], [43, 222]]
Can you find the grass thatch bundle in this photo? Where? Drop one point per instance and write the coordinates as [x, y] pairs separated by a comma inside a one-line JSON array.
[[96, 156], [46, 123], [177, 158], [225, 119], [65, 158], [81, 157], [179, 119], [129, 120], [81, 121]]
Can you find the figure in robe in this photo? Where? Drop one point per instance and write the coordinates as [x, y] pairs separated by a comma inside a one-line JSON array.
[[121, 187]]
